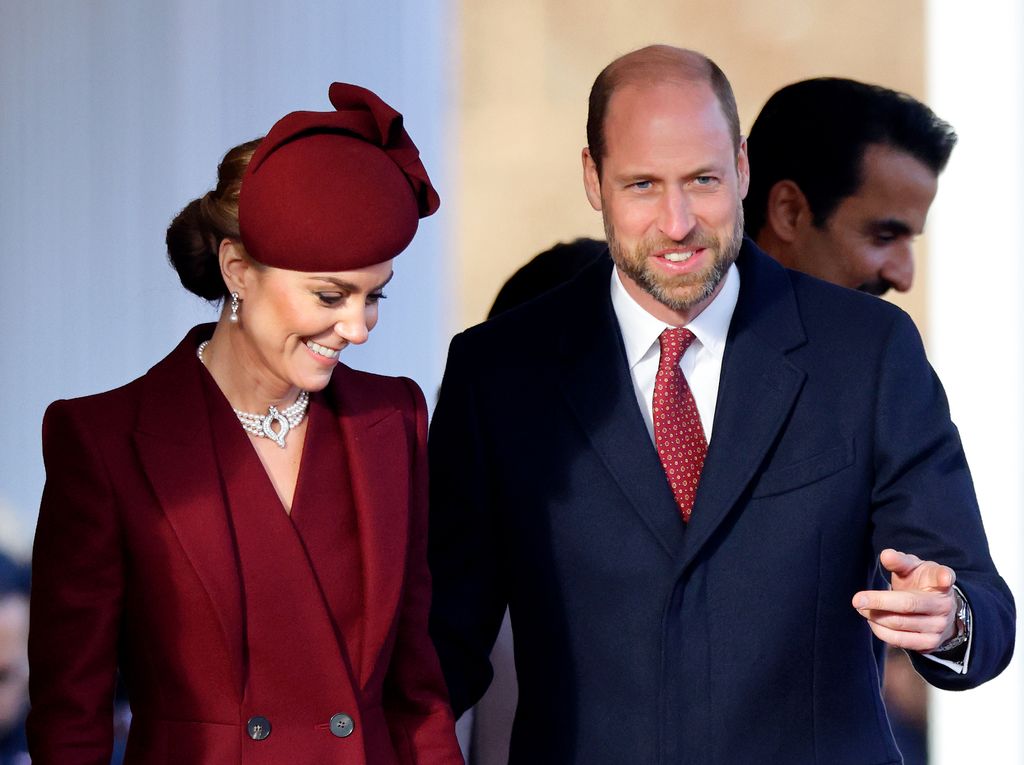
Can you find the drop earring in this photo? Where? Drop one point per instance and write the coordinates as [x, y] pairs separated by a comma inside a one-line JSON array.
[[235, 304]]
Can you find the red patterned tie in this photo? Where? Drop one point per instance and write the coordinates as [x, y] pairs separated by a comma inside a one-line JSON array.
[[678, 433]]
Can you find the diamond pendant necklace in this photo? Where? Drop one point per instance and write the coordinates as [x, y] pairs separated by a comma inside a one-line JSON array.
[[262, 425]]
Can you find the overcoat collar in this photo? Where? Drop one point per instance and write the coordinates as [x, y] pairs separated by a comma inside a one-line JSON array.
[[757, 390], [176, 450], [596, 385], [379, 447], [175, 447]]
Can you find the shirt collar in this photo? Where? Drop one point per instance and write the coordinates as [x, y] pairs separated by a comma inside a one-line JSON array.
[[640, 330]]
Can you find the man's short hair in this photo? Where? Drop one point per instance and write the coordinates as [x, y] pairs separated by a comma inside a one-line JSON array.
[[815, 133], [651, 65]]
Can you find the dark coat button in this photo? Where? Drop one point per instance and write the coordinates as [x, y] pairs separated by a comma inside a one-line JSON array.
[[258, 728], [342, 725]]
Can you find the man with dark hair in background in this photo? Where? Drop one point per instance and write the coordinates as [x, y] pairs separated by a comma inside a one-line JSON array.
[[842, 176], [681, 469]]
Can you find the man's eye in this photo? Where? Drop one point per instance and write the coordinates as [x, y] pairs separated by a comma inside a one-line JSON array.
[[641, 185], [886, 237], [330, 298], [704, 180]]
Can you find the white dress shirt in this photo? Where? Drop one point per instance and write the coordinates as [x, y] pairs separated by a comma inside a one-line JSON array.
[[702, 362]]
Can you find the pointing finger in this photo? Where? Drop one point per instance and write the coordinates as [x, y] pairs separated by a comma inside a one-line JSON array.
[[899, 563]]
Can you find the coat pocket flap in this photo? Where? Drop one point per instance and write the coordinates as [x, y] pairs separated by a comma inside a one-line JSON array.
[[821, 465]]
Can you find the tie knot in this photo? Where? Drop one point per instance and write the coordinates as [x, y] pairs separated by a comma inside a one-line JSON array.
[[674, 343]]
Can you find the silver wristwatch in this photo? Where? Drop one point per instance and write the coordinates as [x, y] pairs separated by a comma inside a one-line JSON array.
[[962, 621]]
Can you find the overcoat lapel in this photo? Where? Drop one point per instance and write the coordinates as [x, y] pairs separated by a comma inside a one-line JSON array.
[[378, 456], [597, 386], [758, 388], [175, 448]]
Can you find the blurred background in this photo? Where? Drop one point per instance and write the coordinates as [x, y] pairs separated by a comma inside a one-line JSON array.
[[114, 114]]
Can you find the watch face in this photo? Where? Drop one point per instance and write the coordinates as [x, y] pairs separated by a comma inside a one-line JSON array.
[[961, 612]]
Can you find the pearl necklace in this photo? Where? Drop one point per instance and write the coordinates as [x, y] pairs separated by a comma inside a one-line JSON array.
[[262, 425]]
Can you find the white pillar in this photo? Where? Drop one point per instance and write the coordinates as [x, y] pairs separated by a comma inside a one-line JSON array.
[[976, 322]]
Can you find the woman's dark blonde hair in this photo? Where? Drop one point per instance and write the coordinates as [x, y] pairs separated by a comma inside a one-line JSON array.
[[195, 234]]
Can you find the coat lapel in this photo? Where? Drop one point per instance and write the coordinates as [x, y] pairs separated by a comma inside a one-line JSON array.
[[176, 450], [377, 445], [758, 388], [597, 386]]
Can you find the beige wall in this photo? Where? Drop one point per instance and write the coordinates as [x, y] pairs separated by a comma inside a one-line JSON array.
[[526, 67]]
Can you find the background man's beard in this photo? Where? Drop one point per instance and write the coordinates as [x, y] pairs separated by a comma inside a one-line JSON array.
[[664, 290]]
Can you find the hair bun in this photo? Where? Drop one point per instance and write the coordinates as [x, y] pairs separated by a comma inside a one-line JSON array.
[[192, 247], [195, 234]]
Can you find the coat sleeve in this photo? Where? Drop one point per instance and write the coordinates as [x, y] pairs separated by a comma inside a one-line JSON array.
[[924, 503], [416, 704], [470, 596], [77, 586]]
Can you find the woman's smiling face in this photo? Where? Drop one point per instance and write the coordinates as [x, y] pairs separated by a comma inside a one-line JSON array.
[[295, 323]]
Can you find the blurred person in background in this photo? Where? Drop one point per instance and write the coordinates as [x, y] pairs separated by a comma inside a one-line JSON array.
[[242, 530], [14, 590], [545, 271]]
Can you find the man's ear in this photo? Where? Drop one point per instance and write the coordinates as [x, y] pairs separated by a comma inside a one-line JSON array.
[[591, 180], [788, 212], [743, 170], [236, 266]]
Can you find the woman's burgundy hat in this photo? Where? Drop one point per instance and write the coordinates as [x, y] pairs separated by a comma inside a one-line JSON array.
[[334, 191]]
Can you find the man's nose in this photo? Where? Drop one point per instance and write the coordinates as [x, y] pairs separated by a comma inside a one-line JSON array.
[[676, 218], [898, 269]]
